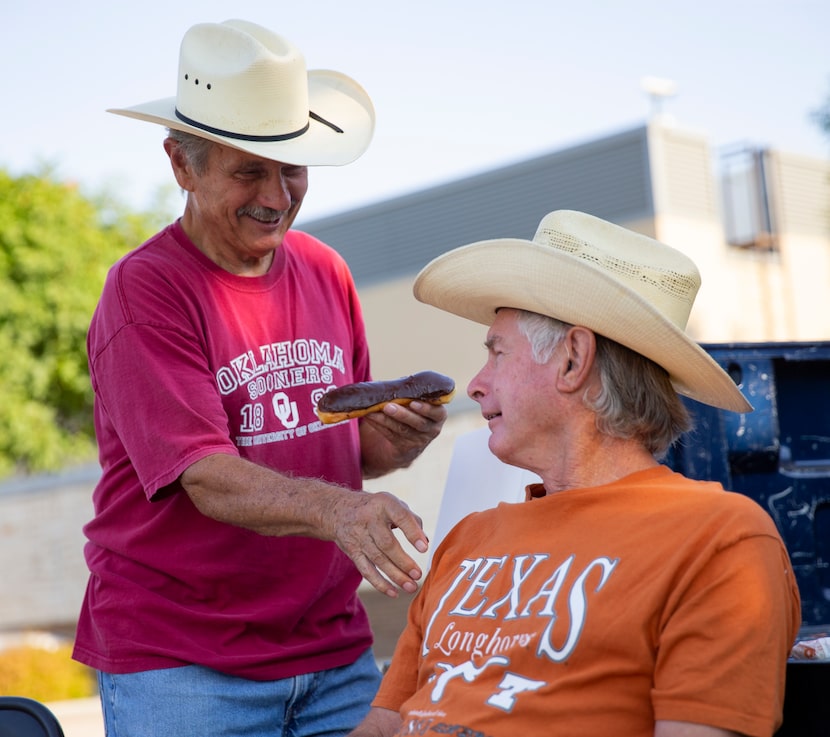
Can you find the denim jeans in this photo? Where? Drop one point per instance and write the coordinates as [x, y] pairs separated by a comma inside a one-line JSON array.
[[192, 700]]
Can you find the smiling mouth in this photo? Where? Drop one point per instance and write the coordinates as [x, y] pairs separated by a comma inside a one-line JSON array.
[[261, 214], [491, 416]]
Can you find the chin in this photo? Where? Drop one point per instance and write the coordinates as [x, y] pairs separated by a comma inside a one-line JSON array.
[[496, 449]]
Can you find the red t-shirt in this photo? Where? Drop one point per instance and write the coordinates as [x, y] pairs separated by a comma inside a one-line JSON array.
[[188, 360], [597, 611]]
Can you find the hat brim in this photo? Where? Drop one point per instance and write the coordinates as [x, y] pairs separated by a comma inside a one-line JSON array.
[[474, 281], [332, 95]]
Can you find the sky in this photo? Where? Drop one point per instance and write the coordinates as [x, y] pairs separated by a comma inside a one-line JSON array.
[[459, 86]]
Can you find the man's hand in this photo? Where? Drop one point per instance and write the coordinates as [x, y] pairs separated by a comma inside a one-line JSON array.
[[361, 524], [396, 436], [378, 723]]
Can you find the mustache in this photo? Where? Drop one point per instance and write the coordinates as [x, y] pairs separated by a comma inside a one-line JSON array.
[[263, 214]]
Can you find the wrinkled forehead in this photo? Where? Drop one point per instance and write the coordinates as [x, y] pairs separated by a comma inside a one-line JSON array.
[[504, 327]]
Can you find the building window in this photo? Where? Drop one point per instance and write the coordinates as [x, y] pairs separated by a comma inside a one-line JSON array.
[[747, 194]]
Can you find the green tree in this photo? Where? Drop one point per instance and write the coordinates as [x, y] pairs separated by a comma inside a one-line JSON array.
[[56, 246]]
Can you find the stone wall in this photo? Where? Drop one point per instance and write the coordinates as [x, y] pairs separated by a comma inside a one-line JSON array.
[[41, 545]]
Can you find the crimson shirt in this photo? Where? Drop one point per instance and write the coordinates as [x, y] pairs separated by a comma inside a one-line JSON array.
[[188, 360]]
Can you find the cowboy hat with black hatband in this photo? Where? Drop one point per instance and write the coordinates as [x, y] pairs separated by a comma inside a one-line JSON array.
[[244, 86], [588, 272]]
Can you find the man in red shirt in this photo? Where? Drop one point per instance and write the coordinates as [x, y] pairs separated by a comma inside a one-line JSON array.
[[230, 530]]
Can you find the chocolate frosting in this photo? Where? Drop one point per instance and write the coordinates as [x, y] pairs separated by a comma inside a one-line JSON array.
[[425, 385]]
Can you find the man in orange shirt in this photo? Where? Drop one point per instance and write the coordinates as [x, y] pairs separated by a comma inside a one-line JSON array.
[[622, 598]]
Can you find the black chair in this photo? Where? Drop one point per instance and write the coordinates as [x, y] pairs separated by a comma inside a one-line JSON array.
[[808, 683], [22, 717]]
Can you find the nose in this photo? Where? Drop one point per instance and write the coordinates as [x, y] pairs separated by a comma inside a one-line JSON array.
[[276, 192], [476, 388]]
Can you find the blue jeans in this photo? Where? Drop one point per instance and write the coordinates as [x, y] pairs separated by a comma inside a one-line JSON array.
[[192, 700]]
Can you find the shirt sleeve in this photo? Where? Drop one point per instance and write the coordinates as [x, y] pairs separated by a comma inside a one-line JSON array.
[[401, 680], [162, 402], [723, 635]]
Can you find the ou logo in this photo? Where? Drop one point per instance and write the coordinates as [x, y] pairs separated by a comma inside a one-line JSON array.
[[285, 410]]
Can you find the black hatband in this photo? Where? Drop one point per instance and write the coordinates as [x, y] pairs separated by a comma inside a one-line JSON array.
[[261, 139]]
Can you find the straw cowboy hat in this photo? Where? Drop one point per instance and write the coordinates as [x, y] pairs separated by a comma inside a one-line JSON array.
[[244, 86], [585, 271]]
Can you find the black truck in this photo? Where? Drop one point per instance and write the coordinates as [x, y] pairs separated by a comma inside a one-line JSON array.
[[780, 456]]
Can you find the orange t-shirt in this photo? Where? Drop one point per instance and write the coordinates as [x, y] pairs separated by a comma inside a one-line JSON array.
[[597, 611]]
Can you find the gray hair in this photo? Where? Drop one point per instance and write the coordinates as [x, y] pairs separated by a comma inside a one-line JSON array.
[[195, 148], [636, 399]]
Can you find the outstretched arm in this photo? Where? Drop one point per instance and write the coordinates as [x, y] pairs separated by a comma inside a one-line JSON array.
[[233, 490]]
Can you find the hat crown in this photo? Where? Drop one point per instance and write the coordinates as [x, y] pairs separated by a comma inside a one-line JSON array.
[[660, 275], [240, 79]]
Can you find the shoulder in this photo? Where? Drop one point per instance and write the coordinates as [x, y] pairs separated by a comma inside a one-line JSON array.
[[147, 285], [144, 262], [726, 518], [312, 257], [301, 241], [709, 500]]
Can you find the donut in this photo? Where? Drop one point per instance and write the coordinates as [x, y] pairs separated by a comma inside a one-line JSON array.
[[356, 400]]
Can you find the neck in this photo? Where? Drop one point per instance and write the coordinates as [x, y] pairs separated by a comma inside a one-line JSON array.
[[238, 262], [597, 463]]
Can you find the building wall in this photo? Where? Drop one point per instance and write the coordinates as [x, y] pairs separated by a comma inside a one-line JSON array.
[[41, 545], [749, 294], [408, 336], [801, 202], [609, 177]]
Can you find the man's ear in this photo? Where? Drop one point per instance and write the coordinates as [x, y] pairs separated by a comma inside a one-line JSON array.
[[181, 168], [576, 360]]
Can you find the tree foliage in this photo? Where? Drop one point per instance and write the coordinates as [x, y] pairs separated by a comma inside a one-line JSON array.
[[56, 246]]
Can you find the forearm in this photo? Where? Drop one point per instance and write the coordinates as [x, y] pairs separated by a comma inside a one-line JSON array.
[[232, 490]]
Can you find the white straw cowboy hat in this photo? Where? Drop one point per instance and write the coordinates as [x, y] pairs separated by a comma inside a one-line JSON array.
[[585, 271], [244, 86]]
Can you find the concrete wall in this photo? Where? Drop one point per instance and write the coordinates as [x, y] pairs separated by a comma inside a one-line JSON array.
[[41, 545]]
